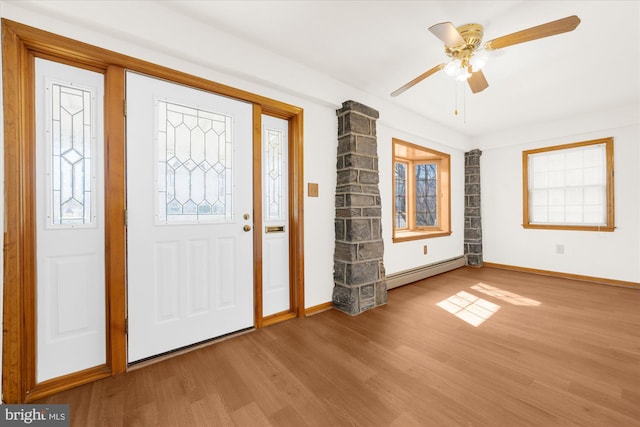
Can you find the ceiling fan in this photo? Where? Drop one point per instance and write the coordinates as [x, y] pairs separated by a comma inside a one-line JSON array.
[[461, 45]]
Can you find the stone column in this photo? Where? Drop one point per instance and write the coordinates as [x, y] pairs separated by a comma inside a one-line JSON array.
[[359, 276], [472, 218]]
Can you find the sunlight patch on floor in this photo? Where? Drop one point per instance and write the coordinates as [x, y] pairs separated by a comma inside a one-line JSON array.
[[468, 307], [505, 296]]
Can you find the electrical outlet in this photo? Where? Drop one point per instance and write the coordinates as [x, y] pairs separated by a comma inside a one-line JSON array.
[[425, 249], [559, 249]]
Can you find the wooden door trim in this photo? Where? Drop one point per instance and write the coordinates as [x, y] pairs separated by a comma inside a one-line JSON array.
[[296, 199], [20, 45], [257, 216]]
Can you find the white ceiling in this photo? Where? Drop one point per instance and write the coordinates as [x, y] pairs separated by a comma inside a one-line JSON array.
[[377, 46]]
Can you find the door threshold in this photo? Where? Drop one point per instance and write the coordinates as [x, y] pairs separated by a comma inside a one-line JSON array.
[[186, 349]]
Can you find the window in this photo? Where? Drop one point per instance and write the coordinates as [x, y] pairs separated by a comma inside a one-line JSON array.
[[569, 187], [421, 201], [70, 170], [194, 165]]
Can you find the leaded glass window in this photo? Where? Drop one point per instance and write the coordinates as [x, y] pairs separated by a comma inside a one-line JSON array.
[[401, 195], [273, 167], [426, 187], [71, 150], [194, 152]]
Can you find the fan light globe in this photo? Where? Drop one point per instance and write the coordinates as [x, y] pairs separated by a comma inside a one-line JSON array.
[[451, 69], [479, 60], [456, 69]]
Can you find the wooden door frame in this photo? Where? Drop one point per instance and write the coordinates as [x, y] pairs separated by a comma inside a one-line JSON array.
[[21, 44]]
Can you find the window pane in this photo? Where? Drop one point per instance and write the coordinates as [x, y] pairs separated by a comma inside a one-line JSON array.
[[564, 182], [400, 202], [71, 146], [421, 187], [194, 165], [273, 182], [426, 194]]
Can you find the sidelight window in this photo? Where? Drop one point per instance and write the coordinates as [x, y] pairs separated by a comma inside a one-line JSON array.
[[71, 145]]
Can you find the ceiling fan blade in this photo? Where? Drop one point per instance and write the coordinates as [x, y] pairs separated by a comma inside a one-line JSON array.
[[560, 26], [448, 33], [477, 82], [417, 80]]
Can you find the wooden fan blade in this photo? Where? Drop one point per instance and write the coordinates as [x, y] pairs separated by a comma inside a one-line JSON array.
[[417, 80], [560, 26], [448, 33], [477, 82]]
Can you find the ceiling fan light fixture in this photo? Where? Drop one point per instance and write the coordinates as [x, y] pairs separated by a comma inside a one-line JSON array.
[[457, 70], [463, 75], [462, 45], [452, 69], [479, 60]]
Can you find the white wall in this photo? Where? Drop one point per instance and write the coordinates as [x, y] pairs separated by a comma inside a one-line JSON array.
[[141, 29], [406, 255], [611, 255]]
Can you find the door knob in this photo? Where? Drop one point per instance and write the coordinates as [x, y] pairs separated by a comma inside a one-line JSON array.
[[247, 228]]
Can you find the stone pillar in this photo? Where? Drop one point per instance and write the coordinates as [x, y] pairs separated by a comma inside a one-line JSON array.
[[359, 276], [472, 218]]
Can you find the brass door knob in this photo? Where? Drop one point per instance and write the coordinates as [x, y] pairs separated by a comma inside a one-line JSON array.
[[247, 228]]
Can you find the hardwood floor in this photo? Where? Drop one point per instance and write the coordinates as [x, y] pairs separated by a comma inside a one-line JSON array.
[[549, 352]]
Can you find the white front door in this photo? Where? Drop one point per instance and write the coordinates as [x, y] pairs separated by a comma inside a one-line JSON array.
[[70, 291], [275, 239], [190, 216]]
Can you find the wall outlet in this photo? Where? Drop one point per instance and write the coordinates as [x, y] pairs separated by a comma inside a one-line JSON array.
[[560, 249]]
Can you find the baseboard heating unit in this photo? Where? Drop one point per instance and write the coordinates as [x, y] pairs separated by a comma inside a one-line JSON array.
[[413, 275]]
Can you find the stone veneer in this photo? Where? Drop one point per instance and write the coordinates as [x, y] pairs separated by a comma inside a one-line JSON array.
[[472, 218], [359, 275]]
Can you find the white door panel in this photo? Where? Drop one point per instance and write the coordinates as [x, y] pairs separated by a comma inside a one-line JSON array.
[[70, 290], [189, 186], [275, 237]]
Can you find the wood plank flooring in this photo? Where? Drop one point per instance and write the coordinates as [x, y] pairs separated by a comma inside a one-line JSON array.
[[549, 352]]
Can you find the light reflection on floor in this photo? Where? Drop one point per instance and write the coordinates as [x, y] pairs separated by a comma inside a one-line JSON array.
[[475, 310], [503, 295], [470, 308]]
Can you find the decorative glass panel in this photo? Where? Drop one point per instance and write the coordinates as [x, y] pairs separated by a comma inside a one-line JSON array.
[[426, 195], [273, 183], [401, 195], [194, 165], [71, 143]]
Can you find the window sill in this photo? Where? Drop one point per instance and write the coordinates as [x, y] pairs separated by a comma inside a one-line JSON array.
[[405, 236], [570, 227]]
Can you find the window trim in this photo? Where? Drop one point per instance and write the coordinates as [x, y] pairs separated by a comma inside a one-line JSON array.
[[421, 155], [610, 222]]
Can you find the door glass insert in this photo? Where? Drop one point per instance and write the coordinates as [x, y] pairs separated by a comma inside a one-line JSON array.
[[194, 172], [70, 170], [273, 175]]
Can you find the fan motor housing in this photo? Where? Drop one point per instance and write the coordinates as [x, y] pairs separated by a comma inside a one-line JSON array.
[[472, 35]]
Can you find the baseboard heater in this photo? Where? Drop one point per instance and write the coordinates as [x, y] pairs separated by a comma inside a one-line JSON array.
[[413, 275]]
